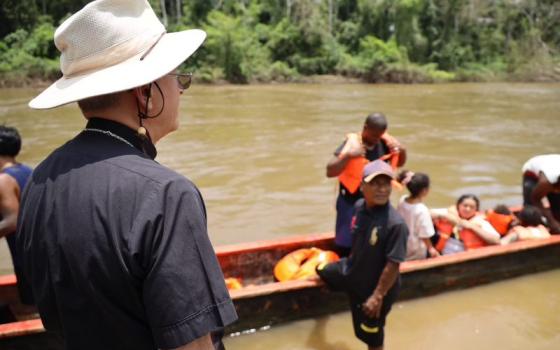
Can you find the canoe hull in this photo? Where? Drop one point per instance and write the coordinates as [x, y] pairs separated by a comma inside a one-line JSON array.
[[262, 305], [288, 301]]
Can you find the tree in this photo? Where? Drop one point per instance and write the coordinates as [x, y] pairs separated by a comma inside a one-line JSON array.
[[17, 14]]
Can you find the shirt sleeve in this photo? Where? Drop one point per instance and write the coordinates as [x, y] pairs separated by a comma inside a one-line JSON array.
[[184, 292], [425, 224], [395, 249], [552, 173]]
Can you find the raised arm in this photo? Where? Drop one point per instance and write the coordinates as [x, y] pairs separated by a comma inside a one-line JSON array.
[[402, 155], [395, 146], [336, 165], [338, 162]]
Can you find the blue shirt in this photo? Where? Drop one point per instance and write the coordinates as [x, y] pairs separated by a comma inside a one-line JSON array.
[[20, 173]]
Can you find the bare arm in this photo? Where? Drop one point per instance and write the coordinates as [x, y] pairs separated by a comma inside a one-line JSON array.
[[202, 343], [483, 229], [9, 204], [431, 250], [402, 155], [336, 165], [372, 306], [543, 188], [510, 237], [447, 214], [395, 146]]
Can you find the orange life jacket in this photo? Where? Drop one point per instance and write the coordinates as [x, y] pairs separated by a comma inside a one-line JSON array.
[[446, 229], [500, 222], [351, 176], [301, 264], [233, 283]]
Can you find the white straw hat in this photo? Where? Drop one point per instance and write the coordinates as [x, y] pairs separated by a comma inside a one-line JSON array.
[[114, 45]]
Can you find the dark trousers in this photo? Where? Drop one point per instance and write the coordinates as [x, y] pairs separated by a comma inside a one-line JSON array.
[[343, 232]]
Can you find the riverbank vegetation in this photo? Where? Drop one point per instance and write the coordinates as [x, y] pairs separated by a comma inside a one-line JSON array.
[[250, 41]]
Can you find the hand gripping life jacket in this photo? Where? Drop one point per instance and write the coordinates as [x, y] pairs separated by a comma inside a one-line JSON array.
[[446, 229], [351, 176], [500, 222]]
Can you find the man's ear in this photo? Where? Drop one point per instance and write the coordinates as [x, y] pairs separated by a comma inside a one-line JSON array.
[[143, 94]]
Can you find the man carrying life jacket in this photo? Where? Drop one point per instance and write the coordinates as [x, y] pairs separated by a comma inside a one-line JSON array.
[[541, 179], [347, 164]]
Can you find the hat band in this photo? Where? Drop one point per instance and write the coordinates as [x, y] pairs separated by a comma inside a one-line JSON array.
[[109, 57]]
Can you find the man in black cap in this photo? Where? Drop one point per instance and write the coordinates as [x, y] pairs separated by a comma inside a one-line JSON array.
[[370, 275]]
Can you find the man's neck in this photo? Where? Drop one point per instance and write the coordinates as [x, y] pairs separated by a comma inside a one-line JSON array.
[[130, 122], [375, 206], [6, 162], [127, 119]]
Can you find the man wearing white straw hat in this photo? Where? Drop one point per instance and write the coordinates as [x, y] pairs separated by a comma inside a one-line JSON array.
[[115, 245]]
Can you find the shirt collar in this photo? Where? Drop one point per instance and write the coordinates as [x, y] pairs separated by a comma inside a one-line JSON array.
[[377, 209], [143, 145]]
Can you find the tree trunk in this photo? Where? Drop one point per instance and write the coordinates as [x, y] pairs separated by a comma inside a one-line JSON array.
[[330, 16], [163, 12], [179, 5]]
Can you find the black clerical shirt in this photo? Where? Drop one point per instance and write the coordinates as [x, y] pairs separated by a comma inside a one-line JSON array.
[[116, 247]]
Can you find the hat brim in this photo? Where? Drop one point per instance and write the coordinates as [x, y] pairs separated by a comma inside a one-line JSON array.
[[170, 51], [376, 174]]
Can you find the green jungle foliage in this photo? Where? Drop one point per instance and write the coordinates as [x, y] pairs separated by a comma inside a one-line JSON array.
[[288, 40]]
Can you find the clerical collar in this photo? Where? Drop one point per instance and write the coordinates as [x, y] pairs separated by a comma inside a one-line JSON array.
[[123, 133]]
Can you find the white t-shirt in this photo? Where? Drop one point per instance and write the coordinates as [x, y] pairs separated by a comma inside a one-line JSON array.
[[419, 222], [548, 164]]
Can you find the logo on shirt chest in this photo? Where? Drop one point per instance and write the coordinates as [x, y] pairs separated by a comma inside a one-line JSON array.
[[373, 237]]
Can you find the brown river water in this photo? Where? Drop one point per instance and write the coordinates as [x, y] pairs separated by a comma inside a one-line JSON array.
[[258, 155], [518, 314]]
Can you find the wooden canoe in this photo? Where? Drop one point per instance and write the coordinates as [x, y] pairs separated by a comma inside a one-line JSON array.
[[263, 302]]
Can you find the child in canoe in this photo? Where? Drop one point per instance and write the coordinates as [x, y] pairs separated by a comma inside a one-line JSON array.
[[530, 227], [417, 215]]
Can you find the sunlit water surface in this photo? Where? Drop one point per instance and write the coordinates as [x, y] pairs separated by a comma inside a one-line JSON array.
[[258, 154]]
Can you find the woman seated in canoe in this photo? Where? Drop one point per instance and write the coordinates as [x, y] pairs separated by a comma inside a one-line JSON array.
[[530, 226], [462, 227]]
